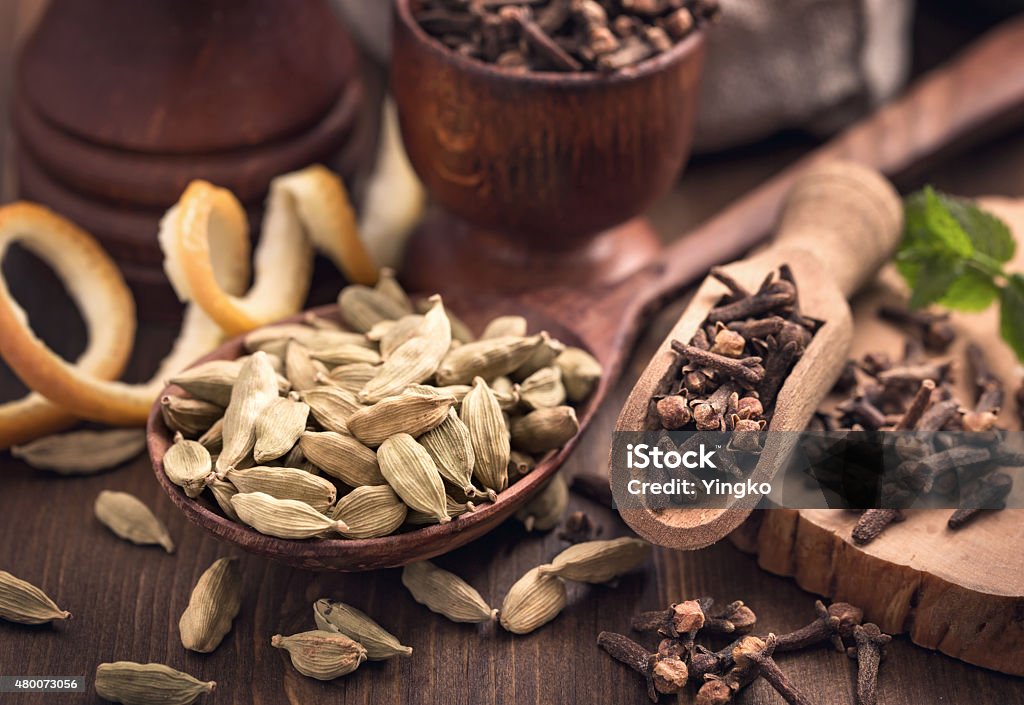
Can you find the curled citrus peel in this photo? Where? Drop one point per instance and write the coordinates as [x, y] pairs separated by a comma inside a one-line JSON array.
[[96, 286], [83, 389], [306, 209], [207, 252]]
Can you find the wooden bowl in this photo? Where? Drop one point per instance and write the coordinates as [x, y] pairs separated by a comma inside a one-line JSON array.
[[538, 163], [367, 554]]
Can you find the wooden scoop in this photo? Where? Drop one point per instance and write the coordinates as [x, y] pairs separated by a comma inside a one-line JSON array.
[[840, 223]]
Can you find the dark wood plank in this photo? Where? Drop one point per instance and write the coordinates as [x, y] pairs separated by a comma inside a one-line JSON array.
[[127, 599]]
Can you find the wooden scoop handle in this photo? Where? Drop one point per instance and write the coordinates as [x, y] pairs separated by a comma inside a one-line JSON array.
[[847, 215]]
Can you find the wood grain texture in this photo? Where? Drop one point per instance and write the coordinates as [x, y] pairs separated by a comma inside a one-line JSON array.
[[127, 599]]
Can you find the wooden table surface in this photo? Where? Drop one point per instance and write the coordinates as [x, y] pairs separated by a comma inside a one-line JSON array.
[[127, 600]]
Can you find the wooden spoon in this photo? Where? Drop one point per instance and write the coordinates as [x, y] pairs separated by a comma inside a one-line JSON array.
[[841, 222], [972, 92]]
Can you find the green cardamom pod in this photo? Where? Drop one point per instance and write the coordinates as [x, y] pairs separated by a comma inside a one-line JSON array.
[[446, 593], [483, 418], [131, 520], [82, 452], [361, 307], [543, 389], [331, 406], [148, 683], [343, 457], [451, 449], [412, 412], [24, 603], [412, 474], [544, 429], [580, 373], [279, 428], [487, 358], [255, 389], [545, 510], [188, 465], [212, 607], [189, 416], [332, 616], [283, 518], [321, 655], [370, 511], [598, 561], [533, 601], [286, 483]]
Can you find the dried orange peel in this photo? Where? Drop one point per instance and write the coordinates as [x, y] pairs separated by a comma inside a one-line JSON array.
[[306, 209], [63, 391]]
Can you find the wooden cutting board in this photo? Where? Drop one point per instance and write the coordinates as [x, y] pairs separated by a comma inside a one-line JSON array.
[[961, 593]]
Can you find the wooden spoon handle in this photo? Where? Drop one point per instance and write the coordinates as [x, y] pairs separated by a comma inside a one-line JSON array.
[[963, 101], [846, 215]]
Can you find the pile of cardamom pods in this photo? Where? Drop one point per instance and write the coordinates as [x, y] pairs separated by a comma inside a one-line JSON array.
[[400, 418]]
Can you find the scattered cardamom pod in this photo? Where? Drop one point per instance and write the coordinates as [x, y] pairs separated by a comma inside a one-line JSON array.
[[451, 449], [598, 561], [82, 452], [533, 601], [331, 406], [279, 428], [545, 511], [255, 389], [411, 472], [446, 593], [483, 418], [361, 307], [222, 492], [24, 603], [487, 358], [274, 340], [370, 511], [545, 429], [580, 373], [130, 519], [352, 377], [332, 616], [299, 367], [389, 287], [505, 327], [283, 518], [321, 655], [148, 683], [412, 412], [187, 464], [415, 360], [212, 607], [213, 381], [543, 389], [189, 416], [286, 483], [343, 457]]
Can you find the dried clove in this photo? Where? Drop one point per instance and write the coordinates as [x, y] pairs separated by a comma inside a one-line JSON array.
[[579, 527], [755, 653], [833, 623], [934, 328], [665, 672], [746, 371], [869, 651], [989, 493], [690, 616], [872, 523]]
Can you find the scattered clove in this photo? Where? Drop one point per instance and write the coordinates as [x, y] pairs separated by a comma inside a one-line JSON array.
[[869, 651], [755, 653]]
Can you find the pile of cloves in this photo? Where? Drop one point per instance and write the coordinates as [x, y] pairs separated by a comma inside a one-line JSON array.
[[942, 445], [717, 676], [730, 372], [563, 35]]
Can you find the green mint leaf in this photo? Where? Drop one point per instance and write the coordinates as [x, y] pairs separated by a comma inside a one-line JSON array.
[[971, 291], [1011, 313], [989, 235], [936, 274], [943, 227]]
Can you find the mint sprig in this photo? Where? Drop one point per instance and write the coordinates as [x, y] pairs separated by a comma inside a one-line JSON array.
[[953, 254]]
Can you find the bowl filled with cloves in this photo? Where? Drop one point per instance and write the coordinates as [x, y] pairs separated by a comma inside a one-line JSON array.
[[543, 129]]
